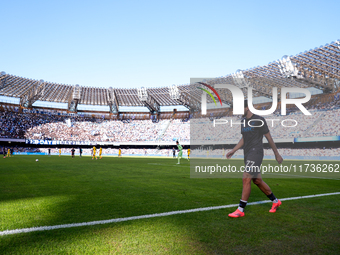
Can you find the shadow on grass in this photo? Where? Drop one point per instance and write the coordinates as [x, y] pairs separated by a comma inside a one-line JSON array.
[[116, 188], [304, 231]]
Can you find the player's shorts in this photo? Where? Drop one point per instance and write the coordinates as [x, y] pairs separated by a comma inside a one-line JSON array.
[[253, 160], [180, 153]]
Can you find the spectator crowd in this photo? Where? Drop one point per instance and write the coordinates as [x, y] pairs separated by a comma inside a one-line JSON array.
[[324, 121]]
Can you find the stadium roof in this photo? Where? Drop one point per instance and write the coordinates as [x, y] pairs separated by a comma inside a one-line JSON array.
[[318, 67]]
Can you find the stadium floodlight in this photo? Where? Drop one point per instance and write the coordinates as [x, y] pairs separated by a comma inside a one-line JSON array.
[[238, 74], [40, 87], [174, 92], [76, 92], [287, 68], [142, 94], [239, 79], [2, 73]]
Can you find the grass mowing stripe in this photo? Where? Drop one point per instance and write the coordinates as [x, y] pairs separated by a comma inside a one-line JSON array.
[[91, 223]]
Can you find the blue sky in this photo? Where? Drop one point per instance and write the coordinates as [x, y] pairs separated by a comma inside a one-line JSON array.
[[128, 44]]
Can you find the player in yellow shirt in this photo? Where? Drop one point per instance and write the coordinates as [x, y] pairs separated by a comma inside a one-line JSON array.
[[9, 153], [189, 153], [94, 152], [59, 152], [119, 153], [100, 152]]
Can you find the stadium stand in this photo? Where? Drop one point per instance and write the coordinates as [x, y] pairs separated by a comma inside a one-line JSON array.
[[54, 127], [318, 68]]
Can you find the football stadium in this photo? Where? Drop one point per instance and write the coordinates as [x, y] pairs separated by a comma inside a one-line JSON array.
[[142, 201], [156, 170]]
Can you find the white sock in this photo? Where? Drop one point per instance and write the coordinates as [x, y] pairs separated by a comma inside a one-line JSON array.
[[240, 208], [275, 200]]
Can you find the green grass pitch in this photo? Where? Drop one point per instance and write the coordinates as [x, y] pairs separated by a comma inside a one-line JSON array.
[[61, 190]]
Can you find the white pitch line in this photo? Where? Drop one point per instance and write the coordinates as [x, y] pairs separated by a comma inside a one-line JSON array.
[[92, 223]]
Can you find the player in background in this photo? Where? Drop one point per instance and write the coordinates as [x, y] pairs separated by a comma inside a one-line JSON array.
[[100, 153], [180, 152], [119, 153], [173, 152], [9, 152], [59, 152], [253, 130], [72, 152], [94, 153], [4, 151], [80, 152], [49, 152], [189, 153]]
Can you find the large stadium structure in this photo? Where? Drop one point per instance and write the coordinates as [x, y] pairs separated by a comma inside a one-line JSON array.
[[318, 67], [25, 123]]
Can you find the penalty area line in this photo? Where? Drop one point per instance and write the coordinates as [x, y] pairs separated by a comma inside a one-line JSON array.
[[92, 223]]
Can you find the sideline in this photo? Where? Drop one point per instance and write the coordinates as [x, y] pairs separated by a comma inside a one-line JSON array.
[[92, 223]]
